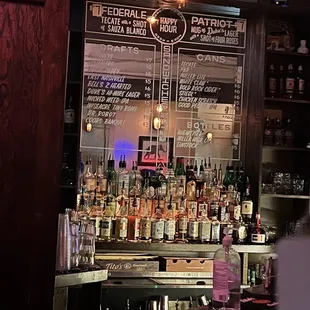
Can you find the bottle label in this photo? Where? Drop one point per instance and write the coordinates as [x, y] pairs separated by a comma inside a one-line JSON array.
[[170, 229], [237, 212], [216, 232], [158, 229], [182, 225], [272, 85], [192, 207], [137, 228], [90, 185], [103, 185], [123, 178], [242, 234], [202, 209], [69, 116], [123, 225], [301, 86], [163, 188], [247, 207], [204, 231], [220, 281], [145, 228], [105, 227], [193, 229], [131, 204], [181, 180], [258, 238], [290, 85]]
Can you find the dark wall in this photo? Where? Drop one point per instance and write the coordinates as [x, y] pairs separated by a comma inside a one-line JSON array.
[[33, 55]]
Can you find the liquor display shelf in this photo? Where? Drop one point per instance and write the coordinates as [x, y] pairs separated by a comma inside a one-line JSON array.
[[286, 53], [286, 196], [80, 278], [282, 148], [153, 248], [283, 100]]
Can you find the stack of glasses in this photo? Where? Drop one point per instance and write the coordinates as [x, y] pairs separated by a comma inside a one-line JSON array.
[[75, 242]]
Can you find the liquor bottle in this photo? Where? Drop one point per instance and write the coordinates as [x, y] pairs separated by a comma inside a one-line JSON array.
[[158, 199], [182, 222], [200, 178], [214, 176], [288, 134], [204, 227], [272, 82], [121, 222], [96, 213], [135, 178], [127, 306], [290, 83], [69, 120], [162, 180], [220, 176], [196, 170], [281, 82], [192, 224], [171, 180], [202, 205], [278, 134], [83, 211], [228, 178], [226, 225], [122, 176], [268, 133], [158, 224], [106, 226], [146, 197], [170, 225], [237, 208], [191, 202], [89, 178], [180, 174], [111, 175], [242, 232], [133, 217], [300, 83], [241, 182], [101, 181], [121, 199], [145, 221], [134, 197], [191, 183], [247, 204], [208, 171], [257, 235], [215, 228], [235, 177]]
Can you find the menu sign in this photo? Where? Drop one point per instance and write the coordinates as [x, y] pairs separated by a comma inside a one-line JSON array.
[[184, 70]]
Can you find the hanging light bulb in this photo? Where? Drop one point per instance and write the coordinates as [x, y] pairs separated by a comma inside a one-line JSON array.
[[89, 126], [159, 108], [152, 20], [156, 123]]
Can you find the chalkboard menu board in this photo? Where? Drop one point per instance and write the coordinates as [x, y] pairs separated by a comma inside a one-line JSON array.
[[185, 69]]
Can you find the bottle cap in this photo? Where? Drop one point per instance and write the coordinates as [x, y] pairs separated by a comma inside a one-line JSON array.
[[227, 240]]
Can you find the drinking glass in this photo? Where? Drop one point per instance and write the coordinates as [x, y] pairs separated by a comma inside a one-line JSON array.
[[87, 242], [63, 253]]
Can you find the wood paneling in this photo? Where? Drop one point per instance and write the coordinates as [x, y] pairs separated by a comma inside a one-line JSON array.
[[254, 97], [33, 51]]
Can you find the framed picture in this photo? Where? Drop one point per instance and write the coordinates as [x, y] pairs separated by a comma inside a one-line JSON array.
[[154, 152]]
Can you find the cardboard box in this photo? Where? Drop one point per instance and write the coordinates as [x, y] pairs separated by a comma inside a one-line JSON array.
[[187, 264]]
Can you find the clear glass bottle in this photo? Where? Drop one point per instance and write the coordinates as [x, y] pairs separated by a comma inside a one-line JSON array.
[[121, 222], [89, 178], [106, 225], [158, 199], [215, 228], [135, 178], [204, 227], [134, 218], [171, 180], [158, 225], [170, 224], [121, 199], [83, 210], [101, 180], [226, 277], [96, 212], [192, 224], [122, 177]]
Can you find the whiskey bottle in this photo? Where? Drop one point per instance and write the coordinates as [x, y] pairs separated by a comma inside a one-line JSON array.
[[133, 218], [204, 227], [258, 235], [300, 83], [158, 200], [106, 223], [101, 181], [135, 178], [268, 133], [290, 83], [158, 225], [202, 205], [170, 225], [247, 204], [288, 134], [191, 202], [242, 232], [121, 199], [182, 222], [192, 224], [272, 82], [122, 177], [278, 134], [281, 82], [190, 180], [83, 210], [111, 175], [171, 180], [220, 177], [69, 119], [145, 219]]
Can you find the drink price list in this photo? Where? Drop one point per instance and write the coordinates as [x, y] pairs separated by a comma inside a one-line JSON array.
[[183, 69]]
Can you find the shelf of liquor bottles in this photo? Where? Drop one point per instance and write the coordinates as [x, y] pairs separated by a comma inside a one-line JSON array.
[[154, 248]]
